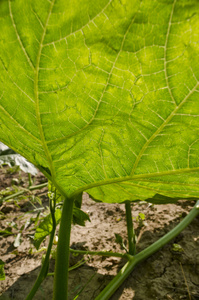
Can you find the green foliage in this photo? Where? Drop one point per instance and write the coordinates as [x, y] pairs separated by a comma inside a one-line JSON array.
[[6, 232], [2, 273], [177, 248], [12, 159], [103, 96], [140, 219], [80, 217], [45, 227], [119, 240], [46, 224]]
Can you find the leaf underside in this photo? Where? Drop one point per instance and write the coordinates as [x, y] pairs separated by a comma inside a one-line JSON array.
[[103, 95]]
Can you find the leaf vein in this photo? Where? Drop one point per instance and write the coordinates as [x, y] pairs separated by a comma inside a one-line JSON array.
[[104, 90], [18, 124], [165, 52], [19, 38], [48, 155], [160, 128], [80, 29], [134, 177]]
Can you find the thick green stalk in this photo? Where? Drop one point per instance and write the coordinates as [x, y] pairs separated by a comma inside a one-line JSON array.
[[63, 252], [130, 229], [130, 265]]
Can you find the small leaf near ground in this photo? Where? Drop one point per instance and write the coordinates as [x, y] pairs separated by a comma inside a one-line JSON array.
[[119, 240], [45, 228], [177, 248], [80, 217], [2, 272]]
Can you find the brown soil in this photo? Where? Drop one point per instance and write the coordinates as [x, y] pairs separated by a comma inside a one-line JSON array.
[[168, 274]]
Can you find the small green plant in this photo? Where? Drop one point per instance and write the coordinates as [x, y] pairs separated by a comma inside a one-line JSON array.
[[102, 96], [120, 241], [2, 272], [15, 161]]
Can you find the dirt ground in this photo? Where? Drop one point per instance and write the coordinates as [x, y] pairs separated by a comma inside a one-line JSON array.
[[168, 274]]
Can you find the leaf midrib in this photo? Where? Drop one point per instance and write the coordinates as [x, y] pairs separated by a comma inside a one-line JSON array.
[[165, 53], [18, 37], [158, 191], [43, 141], [134, 177]]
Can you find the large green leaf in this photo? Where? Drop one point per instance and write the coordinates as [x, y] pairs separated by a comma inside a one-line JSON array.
[[104, 95]]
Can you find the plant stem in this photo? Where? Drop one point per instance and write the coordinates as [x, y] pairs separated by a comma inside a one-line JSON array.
[[29, 179], [130, 229], [130, 265], [89, 280], [77, 265], [101, 253], [63, 252], [44, 269], [31, 188]]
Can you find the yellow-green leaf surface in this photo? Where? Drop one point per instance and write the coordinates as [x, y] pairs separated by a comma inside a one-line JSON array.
[[103, 95]]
